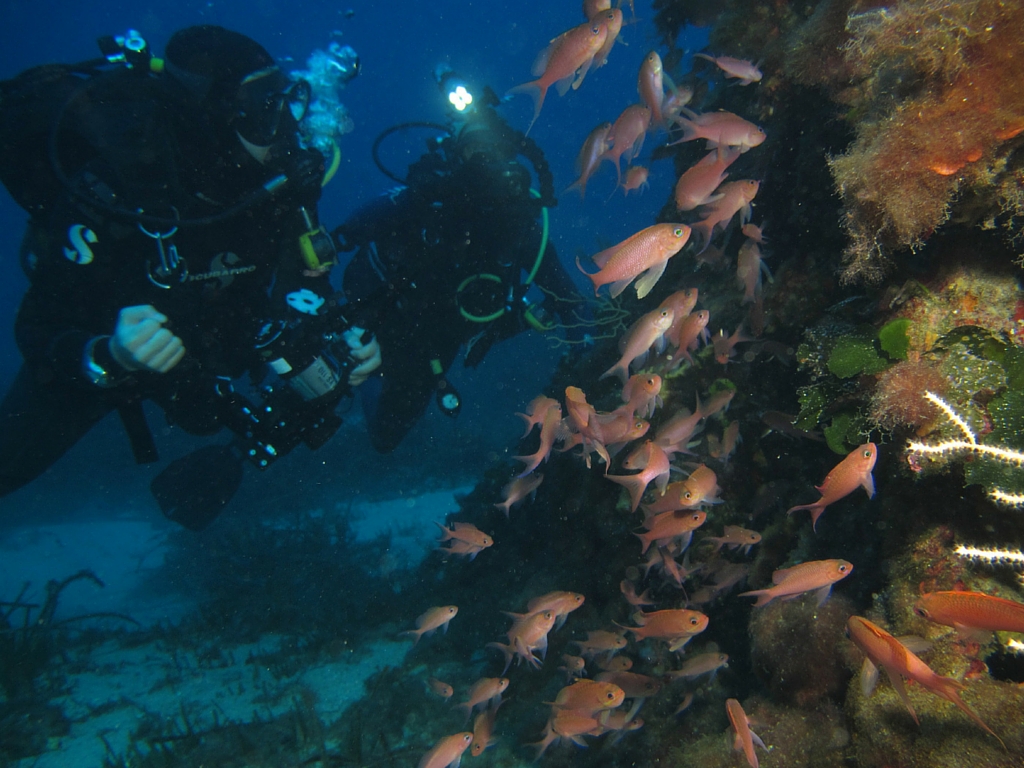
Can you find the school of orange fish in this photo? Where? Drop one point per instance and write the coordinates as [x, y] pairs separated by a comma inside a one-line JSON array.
[[659, 342]]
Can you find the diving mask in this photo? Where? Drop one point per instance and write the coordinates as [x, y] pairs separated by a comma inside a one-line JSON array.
[[261, 101]]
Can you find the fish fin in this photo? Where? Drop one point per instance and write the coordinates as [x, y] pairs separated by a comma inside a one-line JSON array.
[[645, 541], [915, 644], [563, 85], [973, 633], [821, 595], [757, 740], [901, 689], [649, 278], [582, 73], [868, 484], [537, 92], [868, 677], [619, 286]]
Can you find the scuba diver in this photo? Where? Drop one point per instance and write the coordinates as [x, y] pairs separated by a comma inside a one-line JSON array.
[[173, 246], [447, 259]]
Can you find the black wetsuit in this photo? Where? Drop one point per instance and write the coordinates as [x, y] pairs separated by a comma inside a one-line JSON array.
[[88, 263], [416, 246]]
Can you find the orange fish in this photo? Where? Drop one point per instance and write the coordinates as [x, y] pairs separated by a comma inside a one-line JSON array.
[[674, 102], [611, 19], [722, 449], [674, 435], [736, 198], [754, 232], [668, 526], [696, 186], [743, 71], [677, 626], [642, 394], [465, 532], [654, 466], [548, 433], [565, 62], [681, 303], [720, 129], [816, 576], [971, 613], [651, 86], [627, 135], [885, 651], [692, 331], [636, 178], [749, 268], [447, 752], [518, 490], [634, 685], [745, 739], [566, 724], [600, 641], [562, 603], [647, 332], [589, 697], [724, 345], [535, 412], [701, 487], [629, 592], [614, 663], [853, 471], [483, 730], [439, 688], [486, 690], [700, 664], [575, 667], [735, 537], [431, 620], [647, 252], [594, 147], [528, 633], [462, 548]]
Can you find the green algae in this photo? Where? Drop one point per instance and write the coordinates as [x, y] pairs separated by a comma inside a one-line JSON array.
[[853, 355], [894, 339]]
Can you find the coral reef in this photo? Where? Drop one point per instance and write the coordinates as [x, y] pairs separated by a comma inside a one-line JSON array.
[[936, 116]]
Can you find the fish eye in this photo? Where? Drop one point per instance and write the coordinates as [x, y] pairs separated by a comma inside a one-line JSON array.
[[596, 29], [867, 453], [842, 569], [687, 495], [610, 695], [693, 621], [678, 231], [695, 517]]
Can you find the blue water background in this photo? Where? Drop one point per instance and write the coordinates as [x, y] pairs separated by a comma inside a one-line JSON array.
[[400, 45]]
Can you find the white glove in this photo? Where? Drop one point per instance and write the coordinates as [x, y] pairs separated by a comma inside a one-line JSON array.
[[368, 353], [140, 342]]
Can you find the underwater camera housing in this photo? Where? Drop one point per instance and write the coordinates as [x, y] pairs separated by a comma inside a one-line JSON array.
[[309, 363]]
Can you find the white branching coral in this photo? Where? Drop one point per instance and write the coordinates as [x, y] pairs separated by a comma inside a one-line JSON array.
[[1012, 558], [969, 445]]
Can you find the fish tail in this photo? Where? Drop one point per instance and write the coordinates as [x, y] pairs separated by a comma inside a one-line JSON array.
[[532, 462], [591, 276], [645, 540], [504, 507], [816, 510], [537, 92], [949, 689], [619, 369], [416, 633], [705, 230], [763, 596], [636, 486], [506, 650]]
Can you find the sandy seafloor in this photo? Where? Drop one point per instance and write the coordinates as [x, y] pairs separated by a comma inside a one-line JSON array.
[[119, 686]]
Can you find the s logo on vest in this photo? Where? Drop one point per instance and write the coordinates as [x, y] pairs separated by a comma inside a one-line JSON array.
[[80, 237]]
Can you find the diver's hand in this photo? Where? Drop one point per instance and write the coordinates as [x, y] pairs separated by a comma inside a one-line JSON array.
[[140, 342], [368, 354]]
